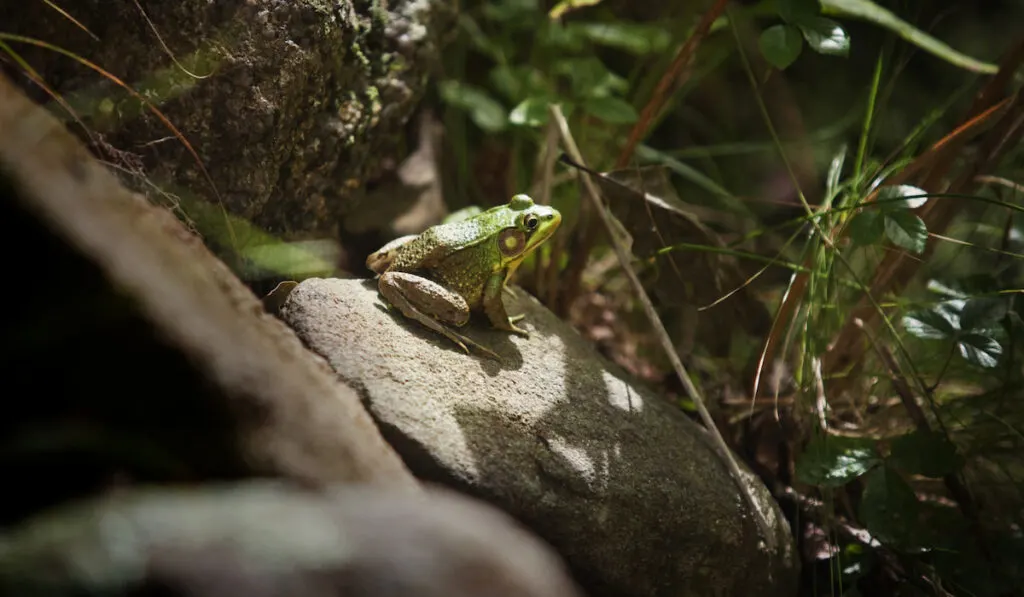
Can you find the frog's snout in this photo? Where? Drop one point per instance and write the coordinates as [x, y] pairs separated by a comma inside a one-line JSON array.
[[554, 217]]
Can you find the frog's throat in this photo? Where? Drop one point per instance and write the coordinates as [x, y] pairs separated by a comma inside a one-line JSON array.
[[512, 266]]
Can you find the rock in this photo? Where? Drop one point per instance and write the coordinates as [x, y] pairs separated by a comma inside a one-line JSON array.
[[299, 104], [133, 354], [264, 540], [627, 488]]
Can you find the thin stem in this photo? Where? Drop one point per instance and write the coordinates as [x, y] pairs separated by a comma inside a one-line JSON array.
[[659, 329]]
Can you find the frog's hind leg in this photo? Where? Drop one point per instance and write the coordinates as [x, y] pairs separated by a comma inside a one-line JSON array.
[[412, 295]]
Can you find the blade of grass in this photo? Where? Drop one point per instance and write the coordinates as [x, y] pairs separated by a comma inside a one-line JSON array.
[[990, 106], [676, 74], [36, 78], [659, 328], [873, 13], [67, 16], [862, 146], [156, 111], [163, 45]]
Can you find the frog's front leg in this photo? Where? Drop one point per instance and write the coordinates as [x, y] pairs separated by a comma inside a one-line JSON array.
[[495, 308], [429, 303]]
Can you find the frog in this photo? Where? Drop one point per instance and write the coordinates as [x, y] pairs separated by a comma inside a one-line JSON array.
[[442, 275]]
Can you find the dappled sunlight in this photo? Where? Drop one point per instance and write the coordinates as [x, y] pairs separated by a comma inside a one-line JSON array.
[[626, 398]]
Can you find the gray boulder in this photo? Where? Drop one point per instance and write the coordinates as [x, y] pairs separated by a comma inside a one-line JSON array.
[[627, 488]]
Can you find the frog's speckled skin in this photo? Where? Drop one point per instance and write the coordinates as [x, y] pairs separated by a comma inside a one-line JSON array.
[[472, 259]]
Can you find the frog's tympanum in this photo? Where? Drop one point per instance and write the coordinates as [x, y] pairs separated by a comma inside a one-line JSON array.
[[440, 276]]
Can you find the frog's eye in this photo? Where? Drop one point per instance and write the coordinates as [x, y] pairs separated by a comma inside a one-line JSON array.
[[531, 222]]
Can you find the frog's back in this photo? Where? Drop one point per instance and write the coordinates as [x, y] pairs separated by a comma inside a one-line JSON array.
[[431, 248]]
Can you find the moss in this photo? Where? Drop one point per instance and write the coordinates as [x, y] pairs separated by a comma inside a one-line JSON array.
[[287, 113]]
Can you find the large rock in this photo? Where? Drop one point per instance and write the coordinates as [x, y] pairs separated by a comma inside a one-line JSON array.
[[305, 100], [624, 485], [265, 540], [130, 353]]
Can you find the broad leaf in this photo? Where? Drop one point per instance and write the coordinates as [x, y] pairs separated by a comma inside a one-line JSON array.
[[590, 77], [979, 349], [781, 45], [982, 312], [483, 110], [532, 112], [903, 196], [798, 11], [906, 230], [830, 461], [826, 36], [873, 13], [510, 10], [610, 109], [635, 38], [925, 453], [933, 324], [867, 227], [479, 39], [889, 509], [516, 82]]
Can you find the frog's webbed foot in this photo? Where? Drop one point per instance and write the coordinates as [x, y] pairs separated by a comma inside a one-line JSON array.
[[508, 324]]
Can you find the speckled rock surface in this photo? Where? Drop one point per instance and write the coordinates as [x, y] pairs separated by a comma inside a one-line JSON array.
[[291, 105], [624, 486]]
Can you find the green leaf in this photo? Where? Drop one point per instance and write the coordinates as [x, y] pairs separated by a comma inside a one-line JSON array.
[[933, 324], [555, 35], [903, 196], [611, 109], [830, 461], [590, 77], [982, 312], [635, 38], [781, 44], [873, 13], [479, 39], [826, 36], [483, 110], [516, 82], [532, 112], [867, 227], [506, 11], [797, 11], [889, 509], [569, 5], [906, 230], [979, 349], [835, 170], [925, 453]]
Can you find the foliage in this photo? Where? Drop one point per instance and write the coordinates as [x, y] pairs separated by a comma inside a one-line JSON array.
[[915, 280], [880, 285]]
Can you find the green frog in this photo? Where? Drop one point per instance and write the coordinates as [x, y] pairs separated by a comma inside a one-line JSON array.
[[440, 276]]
